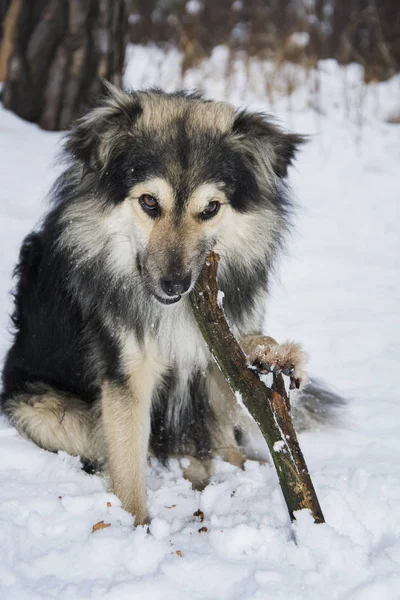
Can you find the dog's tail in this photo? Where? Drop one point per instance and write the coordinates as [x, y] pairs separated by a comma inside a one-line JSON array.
[[316, 406]]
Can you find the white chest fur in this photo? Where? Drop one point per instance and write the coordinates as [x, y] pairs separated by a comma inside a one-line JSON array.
[[179, 339]]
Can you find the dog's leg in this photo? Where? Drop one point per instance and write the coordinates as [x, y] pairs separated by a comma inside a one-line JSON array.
[[197, 470], [126, 423], [227, 416], [233, 429], [266, 355], [54, 421]]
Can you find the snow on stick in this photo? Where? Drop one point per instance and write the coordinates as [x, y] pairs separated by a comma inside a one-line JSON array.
[[269, 407]]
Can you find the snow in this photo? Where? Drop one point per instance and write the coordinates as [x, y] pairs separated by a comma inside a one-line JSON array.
[[239, 400], [220, 298], [279, 446], [193, 7], [338, 293], [300, 39]]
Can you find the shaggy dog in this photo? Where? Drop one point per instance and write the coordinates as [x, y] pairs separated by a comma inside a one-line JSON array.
[[107, 361]]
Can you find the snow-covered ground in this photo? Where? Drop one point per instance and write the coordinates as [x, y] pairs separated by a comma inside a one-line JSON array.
[[339, 294]]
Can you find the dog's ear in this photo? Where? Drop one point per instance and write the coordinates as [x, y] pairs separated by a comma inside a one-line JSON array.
[[95, 136], [264, 141]]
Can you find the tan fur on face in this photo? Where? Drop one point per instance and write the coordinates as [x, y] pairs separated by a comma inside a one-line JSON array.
[[205, 193], [164, 237], [192, 232], [163, 192], [142, 223], [157, 187]]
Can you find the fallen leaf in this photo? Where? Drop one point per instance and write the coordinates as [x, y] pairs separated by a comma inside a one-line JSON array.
[[203, 529], [100, 525], [199, 514]]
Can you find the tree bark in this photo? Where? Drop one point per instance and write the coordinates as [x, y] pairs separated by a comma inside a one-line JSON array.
[[9, 25], [62, 51], [269, 408]]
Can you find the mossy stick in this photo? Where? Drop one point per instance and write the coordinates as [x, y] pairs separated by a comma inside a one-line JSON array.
[[270, 408]]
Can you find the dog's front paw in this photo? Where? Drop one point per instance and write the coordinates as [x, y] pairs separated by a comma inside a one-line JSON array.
[[266, 356], [141, 519]]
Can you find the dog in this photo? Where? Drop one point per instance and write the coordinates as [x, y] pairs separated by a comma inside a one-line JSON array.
[[107, 361]]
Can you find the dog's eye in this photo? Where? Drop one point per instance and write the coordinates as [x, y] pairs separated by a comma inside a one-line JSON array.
[[150, 205], [211, 210]]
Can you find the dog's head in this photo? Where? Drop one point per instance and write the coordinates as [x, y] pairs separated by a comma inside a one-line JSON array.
[[177, 176]]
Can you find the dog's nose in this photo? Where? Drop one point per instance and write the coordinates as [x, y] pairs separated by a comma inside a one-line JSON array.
[[176, 285]]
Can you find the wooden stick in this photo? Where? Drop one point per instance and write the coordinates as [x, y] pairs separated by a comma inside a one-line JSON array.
[[269, 407]]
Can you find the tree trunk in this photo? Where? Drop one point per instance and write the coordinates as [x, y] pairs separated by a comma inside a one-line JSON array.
[[4, 5], [62, 51], [10, 12]]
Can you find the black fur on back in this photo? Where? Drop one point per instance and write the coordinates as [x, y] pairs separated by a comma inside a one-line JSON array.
[[52, 340]]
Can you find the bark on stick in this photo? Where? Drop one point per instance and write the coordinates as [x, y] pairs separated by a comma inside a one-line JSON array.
[[269, 407]]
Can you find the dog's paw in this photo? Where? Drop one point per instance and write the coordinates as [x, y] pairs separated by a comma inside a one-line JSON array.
[[266, 356]]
